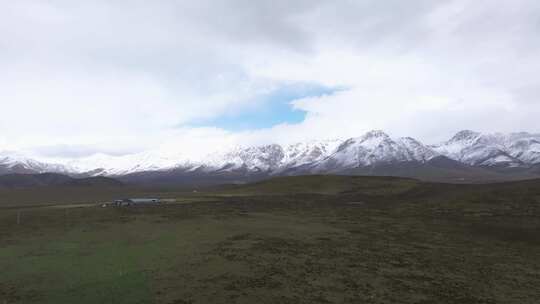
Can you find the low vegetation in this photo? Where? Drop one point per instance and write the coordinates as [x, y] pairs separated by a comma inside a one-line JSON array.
[[316, 239]]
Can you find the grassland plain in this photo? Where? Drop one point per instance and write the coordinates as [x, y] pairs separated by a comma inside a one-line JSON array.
[[317, 239]]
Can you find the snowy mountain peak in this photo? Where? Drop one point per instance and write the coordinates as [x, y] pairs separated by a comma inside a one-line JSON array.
[[369, 140], [373, 148], [410, 141], [492, 150], [374, 134], [262, 158], [416, 150], [465, 135], [271, 158], [13, 162], [309, 152]]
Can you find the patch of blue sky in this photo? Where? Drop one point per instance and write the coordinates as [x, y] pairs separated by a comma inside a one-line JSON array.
[[271, 109]]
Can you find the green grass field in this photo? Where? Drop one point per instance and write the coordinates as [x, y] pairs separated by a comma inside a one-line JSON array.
[[318, 239]]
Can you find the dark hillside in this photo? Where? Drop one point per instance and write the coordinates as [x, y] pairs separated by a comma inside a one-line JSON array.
[[325, 184], [98, 181], [32, 180], [9, 181]]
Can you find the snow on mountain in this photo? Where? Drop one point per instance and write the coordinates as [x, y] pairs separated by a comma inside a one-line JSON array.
[[454, 147], [266, 158], [416, 150], [300, 154], [375, 147], [103, 164], [270, 158], [525, 147], [501, 150], [258, 158], [12, 162]]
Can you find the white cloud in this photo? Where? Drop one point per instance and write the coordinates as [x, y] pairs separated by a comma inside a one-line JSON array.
[[126, 75]]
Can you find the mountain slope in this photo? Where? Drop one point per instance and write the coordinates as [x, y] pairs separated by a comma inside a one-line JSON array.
[[371, 149], [11, 162], [515, 150]]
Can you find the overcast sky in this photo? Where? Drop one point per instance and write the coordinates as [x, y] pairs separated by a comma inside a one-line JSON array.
[[80, 77]]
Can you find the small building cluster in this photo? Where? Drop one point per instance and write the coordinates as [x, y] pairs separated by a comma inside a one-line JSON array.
[[136, 201]]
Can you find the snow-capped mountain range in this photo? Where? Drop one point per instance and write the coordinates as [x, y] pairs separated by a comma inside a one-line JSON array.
[[492, 150], [13, 162], [375, 148]]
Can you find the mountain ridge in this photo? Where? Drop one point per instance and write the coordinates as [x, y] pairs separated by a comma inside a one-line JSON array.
[[374, 152]]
